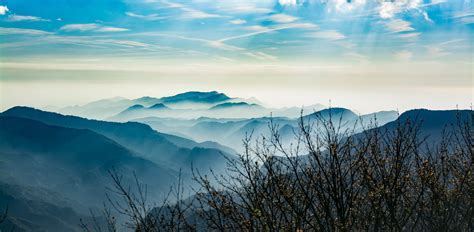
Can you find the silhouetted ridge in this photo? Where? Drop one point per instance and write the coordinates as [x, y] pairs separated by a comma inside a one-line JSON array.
[[198, 97], [335, 113], [432, 122], [233, 104], [158, 106], [135, 107]]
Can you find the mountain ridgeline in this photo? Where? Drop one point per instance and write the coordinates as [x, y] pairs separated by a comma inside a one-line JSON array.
[[186, 105]]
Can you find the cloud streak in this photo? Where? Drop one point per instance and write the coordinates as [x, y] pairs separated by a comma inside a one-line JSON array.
[[22, 31], [280, 18], [150, 17], [272, 29], [329, 35], [19, 18], [91, 27], [398, 25], [190, 13], [238, 21]]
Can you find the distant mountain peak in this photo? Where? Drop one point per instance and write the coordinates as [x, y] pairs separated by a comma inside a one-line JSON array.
[[197, 96], [158, 106], [334, 111], [145, 98], [135, 107], [233, 104]]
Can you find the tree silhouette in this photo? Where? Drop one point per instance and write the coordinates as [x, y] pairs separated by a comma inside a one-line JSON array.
[[329, 179]]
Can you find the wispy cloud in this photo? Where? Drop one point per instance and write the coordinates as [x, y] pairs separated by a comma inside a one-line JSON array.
[[3, 10], [190, 13], [221, 45], [18, 18], [463, 15], [79, 27], [271, 29], [91, 27], [86, 41], [280, 18], [246, 9], [238, 21], [256, 28], [329, 35], [261, 56], [398, 25], [21, 31], [412, 35], [169, 4], [467, 20], [111, 29], [453, 41], [427, 17], [150, 17]]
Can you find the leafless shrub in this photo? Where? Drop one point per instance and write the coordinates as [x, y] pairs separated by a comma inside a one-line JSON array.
[[329, 179]]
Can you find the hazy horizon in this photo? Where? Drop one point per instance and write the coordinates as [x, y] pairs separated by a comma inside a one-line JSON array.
[[363, 55], [273, 85]]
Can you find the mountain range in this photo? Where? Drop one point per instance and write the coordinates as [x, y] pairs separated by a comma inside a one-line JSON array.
[[54, 168], [188, 105], [230, 132]]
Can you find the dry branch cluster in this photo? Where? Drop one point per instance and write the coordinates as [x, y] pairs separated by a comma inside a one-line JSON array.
[[329, 179]]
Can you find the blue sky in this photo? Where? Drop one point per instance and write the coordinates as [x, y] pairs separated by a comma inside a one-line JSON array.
[[332, 39]]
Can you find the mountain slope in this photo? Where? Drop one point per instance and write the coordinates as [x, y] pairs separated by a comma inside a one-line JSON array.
[[38, 209], [74, 162], [137, 137], [432, 122]]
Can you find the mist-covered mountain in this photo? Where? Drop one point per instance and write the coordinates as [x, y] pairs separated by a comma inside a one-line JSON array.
[[107, 108], [188, 105], [196, 97], [230, 132]]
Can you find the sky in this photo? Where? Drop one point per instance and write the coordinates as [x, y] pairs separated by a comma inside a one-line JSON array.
[[367, 55]]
